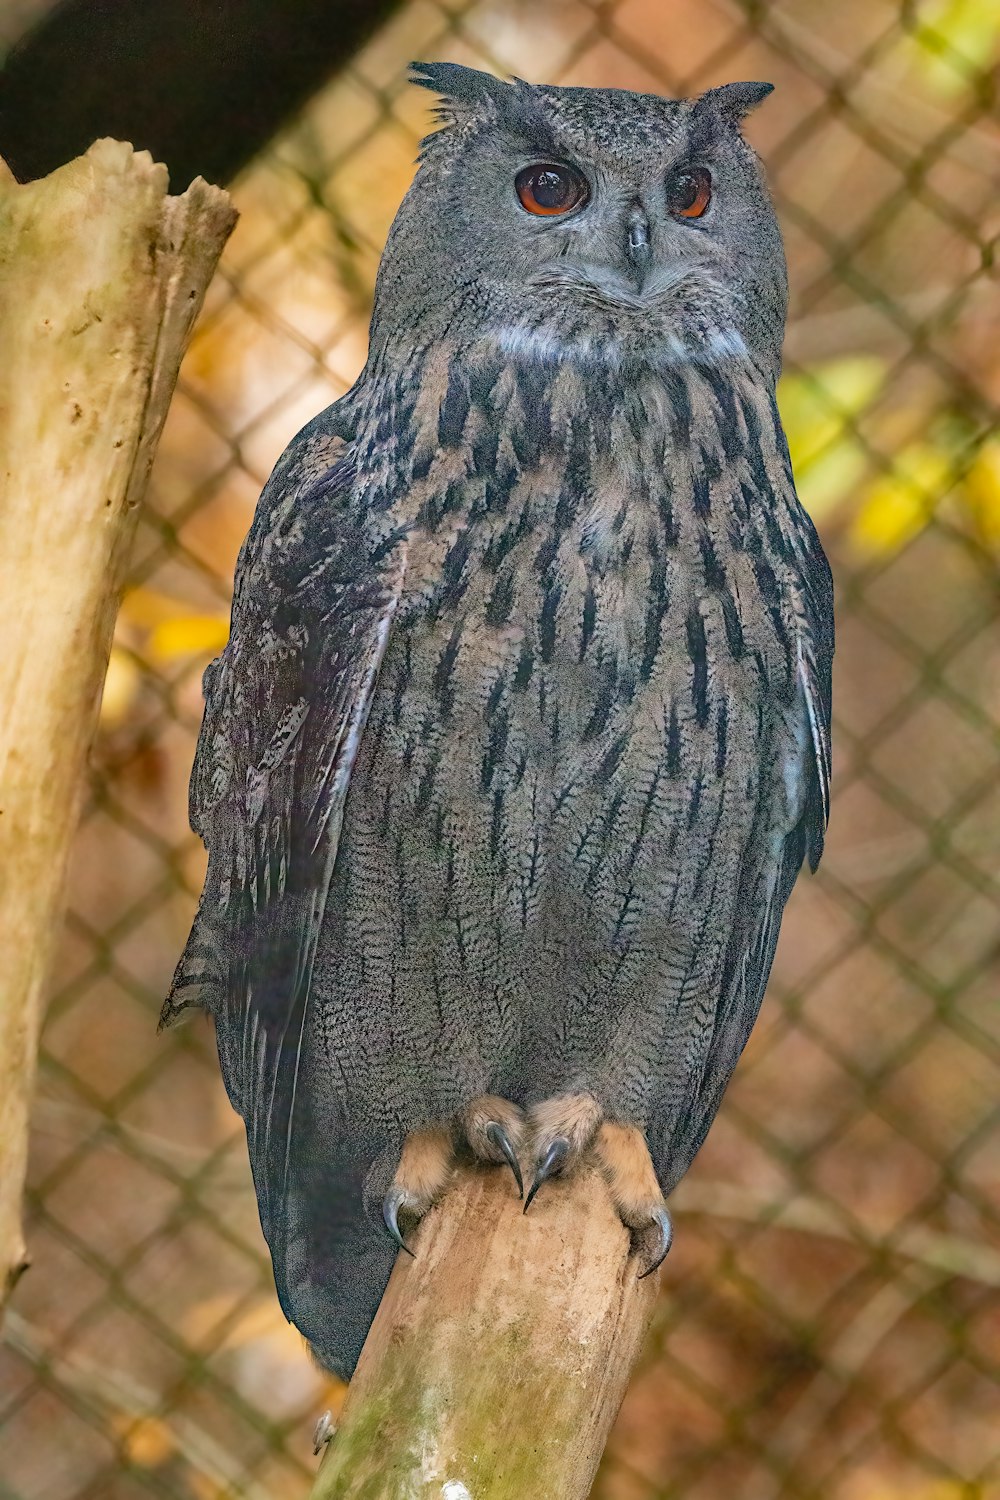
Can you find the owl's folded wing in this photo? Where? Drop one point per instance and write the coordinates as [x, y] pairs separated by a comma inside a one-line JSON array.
[[285, 707], [770, 868], [815, 672], [789, 828]]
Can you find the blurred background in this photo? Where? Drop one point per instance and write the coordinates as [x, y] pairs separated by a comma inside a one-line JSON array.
[[830, 1317]]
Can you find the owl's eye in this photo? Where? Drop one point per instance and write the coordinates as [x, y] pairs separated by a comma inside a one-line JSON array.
[[689, 193], [550, 187]]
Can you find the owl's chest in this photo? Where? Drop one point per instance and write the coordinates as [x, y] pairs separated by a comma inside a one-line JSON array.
[[551, 629]]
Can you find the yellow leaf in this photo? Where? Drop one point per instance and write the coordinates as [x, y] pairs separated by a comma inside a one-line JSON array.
[[897, 506], [121, 683], [818, 408], [956, 39], [832, 477], [146, 607], [816, 403], [981, 493], [188, 635]]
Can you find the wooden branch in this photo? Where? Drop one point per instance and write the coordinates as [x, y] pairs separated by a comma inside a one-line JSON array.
[[500, 1355], [101, 278]]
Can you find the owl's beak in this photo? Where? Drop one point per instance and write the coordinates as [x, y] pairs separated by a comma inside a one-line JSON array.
[[639, 248]]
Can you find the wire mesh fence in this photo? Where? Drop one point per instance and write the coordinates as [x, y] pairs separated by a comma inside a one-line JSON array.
[[830, 1317]]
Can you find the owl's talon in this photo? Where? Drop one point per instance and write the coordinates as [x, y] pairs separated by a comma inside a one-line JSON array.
[[548, 1165], [421, 1177], [499, 1137], [664, 1225], [562, 1128], [493, 1129], [623, 1154], [394, 1200]]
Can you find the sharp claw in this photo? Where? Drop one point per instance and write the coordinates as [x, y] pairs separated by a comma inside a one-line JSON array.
[[661, 1219], [499, 1137], [394, 1200], [555, 1155]]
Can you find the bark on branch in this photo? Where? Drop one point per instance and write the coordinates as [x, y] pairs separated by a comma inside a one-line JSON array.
[[500, 1355], [101, 277]]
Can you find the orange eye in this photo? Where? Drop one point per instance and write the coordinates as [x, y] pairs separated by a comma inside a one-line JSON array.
[[690, 193], [550, 187]]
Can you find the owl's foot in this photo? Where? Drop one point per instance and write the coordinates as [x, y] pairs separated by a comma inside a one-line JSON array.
[[424, 1168], [628, 1167], [494, 1129], [561, 1128]]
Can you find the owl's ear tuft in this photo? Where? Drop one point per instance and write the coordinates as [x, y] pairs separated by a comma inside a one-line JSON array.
[[464, 91], [733, 101]]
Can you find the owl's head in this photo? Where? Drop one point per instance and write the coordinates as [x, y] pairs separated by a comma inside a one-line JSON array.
[[592, 225]]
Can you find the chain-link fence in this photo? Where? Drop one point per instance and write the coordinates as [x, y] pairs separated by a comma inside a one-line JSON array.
[[830, 1319]]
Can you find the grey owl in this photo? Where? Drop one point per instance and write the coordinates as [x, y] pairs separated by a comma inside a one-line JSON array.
[[521, 736]]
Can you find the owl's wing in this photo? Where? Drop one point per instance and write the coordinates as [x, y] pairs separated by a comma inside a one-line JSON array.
[[285, 707], [815, 640], [788, 828]]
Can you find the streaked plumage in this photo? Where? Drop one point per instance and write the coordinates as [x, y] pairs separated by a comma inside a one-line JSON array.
[[521, 736]]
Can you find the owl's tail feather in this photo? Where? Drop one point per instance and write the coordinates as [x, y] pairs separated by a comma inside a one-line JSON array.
[[331, 1254]]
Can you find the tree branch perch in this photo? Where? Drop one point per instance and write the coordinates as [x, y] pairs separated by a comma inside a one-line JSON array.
[[101, 278], [500, 1354]]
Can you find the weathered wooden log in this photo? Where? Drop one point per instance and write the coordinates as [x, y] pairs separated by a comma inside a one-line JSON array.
[[500, 1354], [101, 277]]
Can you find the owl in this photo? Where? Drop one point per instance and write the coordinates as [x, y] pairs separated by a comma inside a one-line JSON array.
[[521, 736]]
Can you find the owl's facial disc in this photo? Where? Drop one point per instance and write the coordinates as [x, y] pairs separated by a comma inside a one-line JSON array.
[[622, 272], [621, 260], [637, 272], [643, 259]]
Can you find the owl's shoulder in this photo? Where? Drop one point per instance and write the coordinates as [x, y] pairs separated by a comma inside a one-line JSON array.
[[311, 454]]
